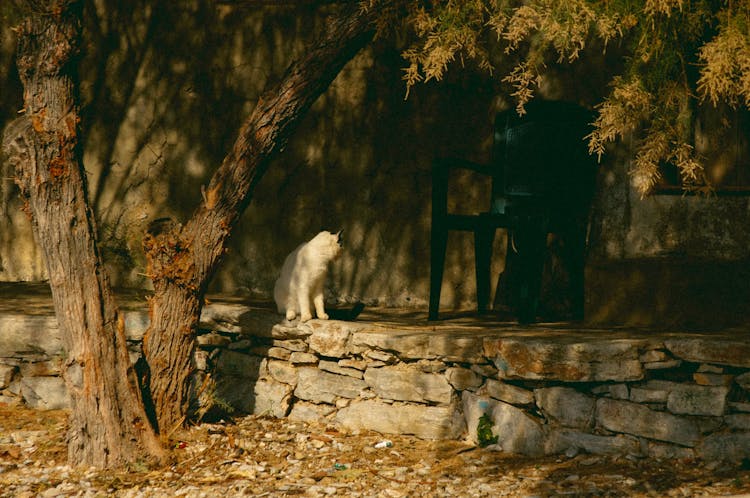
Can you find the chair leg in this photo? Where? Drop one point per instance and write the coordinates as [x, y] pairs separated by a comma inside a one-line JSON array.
[[438, 235], [577, 251], [532, 239], [438, 243], [483, 239]]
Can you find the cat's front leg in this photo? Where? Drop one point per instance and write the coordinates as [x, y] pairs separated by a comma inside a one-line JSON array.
[[320, 306], [304, 306]]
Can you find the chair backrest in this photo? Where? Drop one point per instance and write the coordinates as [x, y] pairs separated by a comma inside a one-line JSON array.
[[544, 158]]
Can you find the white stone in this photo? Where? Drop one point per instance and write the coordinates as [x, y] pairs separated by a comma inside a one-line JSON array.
[[291, 344], [45, 393], [731, 447], [283, 372], [709, 350], [403, 383], [300, 358], [427, 422], [485, 370], [474, 406], [456, 346], [462, 378], [645, 395], [6, 375], [30, 334], [653, 355], [639, 420], [331, 339], [567, 406], [381, 356], [542, 359], [517, 431], [310, 412], [323, 387], [236, 364], [738, 421], [564, 440], [353, 363], [334, 367], [271, 398], [690, 399], [664, 451], [508, 392]]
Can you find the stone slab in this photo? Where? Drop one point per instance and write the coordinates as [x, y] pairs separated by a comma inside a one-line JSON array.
[[45, 393], [334, 367], [404, 383], [508, 392], [236, 364], [427, 422], [516, 431], [567, 406], [710, 350], [539, 359], [462, 378], [412, 345], [638, 420], [6, 375], [323, 387], [690, 399], [303, 411], [564, 440], [331, 338], [730, 447], [30, 334]]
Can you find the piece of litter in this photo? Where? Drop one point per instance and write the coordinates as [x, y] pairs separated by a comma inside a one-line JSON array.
[[384, 444]]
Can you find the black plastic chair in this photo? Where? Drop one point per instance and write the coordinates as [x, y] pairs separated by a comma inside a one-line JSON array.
[[542, 181]]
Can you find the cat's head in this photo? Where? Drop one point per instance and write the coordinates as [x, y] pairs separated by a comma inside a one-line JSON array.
[[329, 243]]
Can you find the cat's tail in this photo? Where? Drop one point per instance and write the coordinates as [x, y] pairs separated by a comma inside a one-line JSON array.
[[348, 315]]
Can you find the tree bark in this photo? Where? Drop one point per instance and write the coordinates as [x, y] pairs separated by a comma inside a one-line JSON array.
[[182, 260], [108, 424]]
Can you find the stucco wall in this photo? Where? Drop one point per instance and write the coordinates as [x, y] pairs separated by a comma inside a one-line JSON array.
[[160, 112], [667, 260], [165, 89]]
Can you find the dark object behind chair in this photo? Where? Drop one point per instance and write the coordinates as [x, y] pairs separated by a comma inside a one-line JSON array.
[[542, 182]]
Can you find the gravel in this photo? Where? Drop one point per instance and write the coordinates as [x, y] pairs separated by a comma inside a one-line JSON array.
[[255, 456]]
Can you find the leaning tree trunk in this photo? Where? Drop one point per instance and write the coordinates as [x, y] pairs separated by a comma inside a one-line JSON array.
[[183, 259], [108, 425]]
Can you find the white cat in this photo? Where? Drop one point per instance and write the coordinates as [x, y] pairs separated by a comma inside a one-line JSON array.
[[303, 275]]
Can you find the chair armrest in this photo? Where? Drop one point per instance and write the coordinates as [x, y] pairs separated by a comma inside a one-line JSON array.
[[448, 163]]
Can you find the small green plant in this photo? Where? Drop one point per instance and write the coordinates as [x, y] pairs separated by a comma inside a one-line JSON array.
[[484, 432]]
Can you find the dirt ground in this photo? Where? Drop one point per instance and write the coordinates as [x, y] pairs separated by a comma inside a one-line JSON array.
[[255, 456]]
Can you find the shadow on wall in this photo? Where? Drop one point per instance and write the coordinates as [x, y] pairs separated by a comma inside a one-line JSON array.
[[361, 162], [164, 89]]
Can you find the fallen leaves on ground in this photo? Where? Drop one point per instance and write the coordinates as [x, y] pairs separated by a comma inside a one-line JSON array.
[[256, 456]]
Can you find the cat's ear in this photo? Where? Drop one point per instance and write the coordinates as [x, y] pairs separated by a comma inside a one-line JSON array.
[[340, 237]]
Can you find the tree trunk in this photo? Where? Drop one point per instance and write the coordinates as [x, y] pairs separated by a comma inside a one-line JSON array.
[[108, 424], [182, 260]]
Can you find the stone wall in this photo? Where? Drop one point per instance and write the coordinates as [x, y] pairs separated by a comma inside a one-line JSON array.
[[543, 391]]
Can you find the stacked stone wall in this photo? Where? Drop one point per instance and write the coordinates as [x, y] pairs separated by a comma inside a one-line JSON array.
[[543, 391]]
